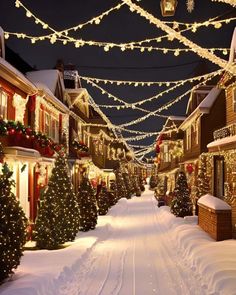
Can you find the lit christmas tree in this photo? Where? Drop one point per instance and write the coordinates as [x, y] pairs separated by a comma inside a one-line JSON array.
[[12, 226], [181, 204], [113, 193], [87, 206], [58, 217], [136, 185], [121, 188], [202, 182], [103, 201], [141, 184], [153, 182], [128, 185]]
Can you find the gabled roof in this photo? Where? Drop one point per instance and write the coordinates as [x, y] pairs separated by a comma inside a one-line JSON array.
[[50, 78], [232, 55], [2, 44], [15, 77], [204, 107], [172, 121]]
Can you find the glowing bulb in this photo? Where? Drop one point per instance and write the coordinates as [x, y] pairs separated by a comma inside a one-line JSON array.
[[217, 25], [6, 35], [225, 52], [17, 4], [33, 40], [97, 21], [45, 26], [28, 13]]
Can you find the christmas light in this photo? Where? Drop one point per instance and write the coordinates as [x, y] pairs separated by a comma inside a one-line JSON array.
[[231, 2], [177, 35]]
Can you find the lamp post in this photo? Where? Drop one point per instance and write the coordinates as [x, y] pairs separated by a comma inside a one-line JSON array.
[[168, 7]]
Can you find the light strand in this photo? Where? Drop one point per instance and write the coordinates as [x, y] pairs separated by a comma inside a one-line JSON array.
[[146, 83], [169, 104], [230, 2], [176, 35]]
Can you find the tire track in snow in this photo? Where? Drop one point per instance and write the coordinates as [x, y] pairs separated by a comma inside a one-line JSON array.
[[186, 278], [81, 281]]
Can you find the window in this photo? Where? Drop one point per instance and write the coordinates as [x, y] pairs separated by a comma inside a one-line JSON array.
[[3, 104], [51, 127], [166, 155], [234, 99], [188, 138], [47, 124]]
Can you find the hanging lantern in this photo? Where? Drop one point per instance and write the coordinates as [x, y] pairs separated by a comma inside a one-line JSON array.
[[168, 7]]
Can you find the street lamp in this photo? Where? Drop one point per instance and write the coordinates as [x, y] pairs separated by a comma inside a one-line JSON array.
[[168, 7]]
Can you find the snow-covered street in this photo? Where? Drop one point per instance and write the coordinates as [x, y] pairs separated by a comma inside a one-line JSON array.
[[136, 249]]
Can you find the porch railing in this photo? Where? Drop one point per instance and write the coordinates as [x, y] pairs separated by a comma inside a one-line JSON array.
[[226, 131]]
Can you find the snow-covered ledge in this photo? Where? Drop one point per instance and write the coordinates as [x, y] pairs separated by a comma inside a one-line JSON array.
[[213, 203]]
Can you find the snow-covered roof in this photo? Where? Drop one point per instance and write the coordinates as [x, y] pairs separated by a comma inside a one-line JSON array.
[[204, 107], [232, 54], [177, 118], [2, 44], [49, 78], [213, 202], [54, 100], [222, 141], [19, 79]]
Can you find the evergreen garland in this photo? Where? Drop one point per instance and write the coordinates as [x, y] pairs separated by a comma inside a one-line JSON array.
[[181, 204], [87, 206], [13, 225]]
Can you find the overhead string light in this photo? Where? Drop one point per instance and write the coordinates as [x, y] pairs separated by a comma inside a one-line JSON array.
[[169, 104], [146, 83], [95, 20], [131, 105], [126, 105], [230, 2], [62, 36], [202, 52]]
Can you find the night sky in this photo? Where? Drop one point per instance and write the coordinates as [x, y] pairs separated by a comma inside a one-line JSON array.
[[120, 26]]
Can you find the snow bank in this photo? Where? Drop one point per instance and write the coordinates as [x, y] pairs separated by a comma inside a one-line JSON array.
[[214, 262], [213, 202], [43, 272]]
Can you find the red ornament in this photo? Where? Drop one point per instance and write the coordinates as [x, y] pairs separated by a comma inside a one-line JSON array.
[[189, 168], [28, 131], [11, 131]]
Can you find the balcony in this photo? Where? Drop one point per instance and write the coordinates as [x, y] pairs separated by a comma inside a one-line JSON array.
[[226, 131]]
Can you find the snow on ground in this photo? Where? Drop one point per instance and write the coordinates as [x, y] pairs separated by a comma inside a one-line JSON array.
[[137, 249]]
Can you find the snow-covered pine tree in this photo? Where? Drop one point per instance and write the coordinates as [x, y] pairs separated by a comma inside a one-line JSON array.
[[87, 206], [12, 226], [58, 216], [121, 188], [103, 201], [181, 204]]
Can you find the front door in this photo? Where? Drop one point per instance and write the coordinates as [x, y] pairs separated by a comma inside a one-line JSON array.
[[219, 176]]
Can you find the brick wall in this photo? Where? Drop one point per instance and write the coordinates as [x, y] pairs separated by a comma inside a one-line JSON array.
[[217, 223]]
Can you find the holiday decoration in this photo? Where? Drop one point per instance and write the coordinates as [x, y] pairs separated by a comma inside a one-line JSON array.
[[153, 182], [87, 206], [58, 217], [121, 188], [1, 153], [113, 193], [103, 201], [16, 134], [168, 7], [129, 186], [190, 5], [13, 225], [181, 204], [189, 168]]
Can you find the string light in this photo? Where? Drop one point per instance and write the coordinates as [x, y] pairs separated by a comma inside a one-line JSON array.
[[169, 104], [146, 83], [177, 35], [95, 20], [231, 2]]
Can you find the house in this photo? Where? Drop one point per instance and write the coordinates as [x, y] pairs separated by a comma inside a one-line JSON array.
[[205, 113], [221, 156], [169, 150]]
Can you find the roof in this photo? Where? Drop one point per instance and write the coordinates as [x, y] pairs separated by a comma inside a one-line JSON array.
[[50, 96], [232, 54], [204, 107], [49, 78], [175, 122], [15, 77]]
